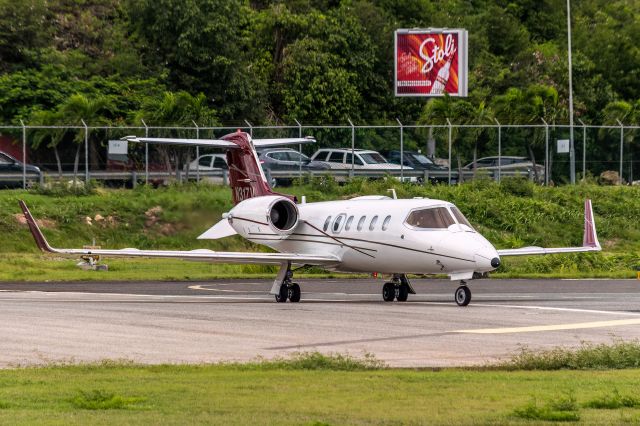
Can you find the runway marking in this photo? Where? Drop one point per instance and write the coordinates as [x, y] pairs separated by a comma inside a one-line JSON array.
[[556, 327], [550, 308]]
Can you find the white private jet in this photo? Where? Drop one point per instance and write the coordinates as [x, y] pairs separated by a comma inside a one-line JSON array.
[[373, 234]]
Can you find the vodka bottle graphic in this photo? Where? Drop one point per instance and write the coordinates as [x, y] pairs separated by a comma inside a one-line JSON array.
[[442, 78]]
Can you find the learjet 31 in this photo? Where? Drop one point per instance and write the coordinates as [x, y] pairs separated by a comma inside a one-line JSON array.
[[370, 234]]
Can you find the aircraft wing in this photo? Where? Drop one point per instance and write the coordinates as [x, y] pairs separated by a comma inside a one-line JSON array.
[[589, 241], [198, 255]]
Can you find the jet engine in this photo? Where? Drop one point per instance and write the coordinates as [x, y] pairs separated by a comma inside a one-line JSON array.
[[278, 213]]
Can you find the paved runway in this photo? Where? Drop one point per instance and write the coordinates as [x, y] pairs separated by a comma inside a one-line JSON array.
[[237, 320]]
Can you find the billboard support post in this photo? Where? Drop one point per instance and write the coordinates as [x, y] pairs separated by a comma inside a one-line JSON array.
[[401, 150], [450, 133]]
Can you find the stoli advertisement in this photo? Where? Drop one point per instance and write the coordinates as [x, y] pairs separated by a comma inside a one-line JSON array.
[[431, 62]]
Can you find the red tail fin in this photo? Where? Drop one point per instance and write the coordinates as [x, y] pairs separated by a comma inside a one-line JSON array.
[[246, 177]]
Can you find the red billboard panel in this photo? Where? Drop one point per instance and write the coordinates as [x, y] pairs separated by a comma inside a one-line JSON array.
[[431, 62]]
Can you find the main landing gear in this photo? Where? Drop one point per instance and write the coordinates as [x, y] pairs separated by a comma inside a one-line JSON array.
[[398, 289], [283, 288], [462, 295]]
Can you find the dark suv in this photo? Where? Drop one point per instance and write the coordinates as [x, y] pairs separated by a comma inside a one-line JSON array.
[[419, 161], [287, 159], [11, 171]]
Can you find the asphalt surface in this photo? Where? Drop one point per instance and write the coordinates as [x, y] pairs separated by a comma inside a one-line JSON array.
[[225, 320]]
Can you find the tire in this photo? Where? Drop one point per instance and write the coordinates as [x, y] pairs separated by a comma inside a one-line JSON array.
[[283, 295], [403, 293], [294, 293], [388, 292], [462, 295]]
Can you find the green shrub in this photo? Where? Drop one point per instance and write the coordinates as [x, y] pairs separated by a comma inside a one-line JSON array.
[[102, 400], [519, 186]]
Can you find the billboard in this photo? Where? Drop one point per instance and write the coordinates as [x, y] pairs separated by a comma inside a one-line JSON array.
[[431, 62]]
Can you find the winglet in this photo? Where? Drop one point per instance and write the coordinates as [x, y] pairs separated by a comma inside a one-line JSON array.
[[590, 238], [41, 241]]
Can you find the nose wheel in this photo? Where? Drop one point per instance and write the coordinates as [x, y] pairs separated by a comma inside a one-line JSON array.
[[463, 295]]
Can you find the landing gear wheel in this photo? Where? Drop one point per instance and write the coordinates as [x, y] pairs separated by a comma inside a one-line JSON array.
[[294, 293], [403, 293], [283, 295], [463, 295], [388, 292]]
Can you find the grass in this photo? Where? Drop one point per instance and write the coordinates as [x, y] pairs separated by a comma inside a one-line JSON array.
[[512, 214], [306, 389], [620, 354]]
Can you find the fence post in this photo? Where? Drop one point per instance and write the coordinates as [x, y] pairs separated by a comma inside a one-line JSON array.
[[353, 146], [621, 148], [250, 128], [299, 149], [24, 155], [584, 149], [401, 150], [499, 149], [146, 153], [546, 152], [86, 152], [197, 154], [450, 134]]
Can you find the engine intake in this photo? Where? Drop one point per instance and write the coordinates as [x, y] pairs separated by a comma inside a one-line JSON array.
[[254, 215]]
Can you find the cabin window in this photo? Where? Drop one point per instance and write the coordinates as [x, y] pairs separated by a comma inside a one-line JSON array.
[[361, 222], [460, 217], [438, 217], [373, 223], [385, 224], [337, 224], [326, 223], [347, 225]]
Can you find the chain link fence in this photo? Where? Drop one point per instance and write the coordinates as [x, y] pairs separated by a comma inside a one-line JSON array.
[[463, 152]]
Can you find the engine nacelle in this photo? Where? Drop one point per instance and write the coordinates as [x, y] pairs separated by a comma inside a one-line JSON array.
[[260, 215]]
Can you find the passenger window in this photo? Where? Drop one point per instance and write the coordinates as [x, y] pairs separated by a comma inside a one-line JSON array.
[[357, 161], [373, 223], [204, 161], [385, 224], [438, 217], [326, 223], [347, 225], [337, 224], [361, 222], [336, 157]]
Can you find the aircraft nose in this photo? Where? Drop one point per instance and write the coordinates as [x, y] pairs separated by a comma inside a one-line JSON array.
[[495, 262]]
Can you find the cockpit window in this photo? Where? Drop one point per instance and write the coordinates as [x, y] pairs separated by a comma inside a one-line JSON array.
[[438, 217], [460, 217]]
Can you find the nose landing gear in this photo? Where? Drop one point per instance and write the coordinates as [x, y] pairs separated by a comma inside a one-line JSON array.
[[462, 295]]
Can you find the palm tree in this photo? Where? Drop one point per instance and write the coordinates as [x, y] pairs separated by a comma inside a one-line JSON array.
[[49, 136]]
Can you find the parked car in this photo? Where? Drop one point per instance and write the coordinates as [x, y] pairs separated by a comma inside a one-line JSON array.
[[287, 159], [363, 159], [419, 161], [508, 164], [206, 163], [14, 168]]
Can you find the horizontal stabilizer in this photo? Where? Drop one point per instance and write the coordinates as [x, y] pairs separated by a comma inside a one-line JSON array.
[[589, 241], [219, 230], [219, 143]]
